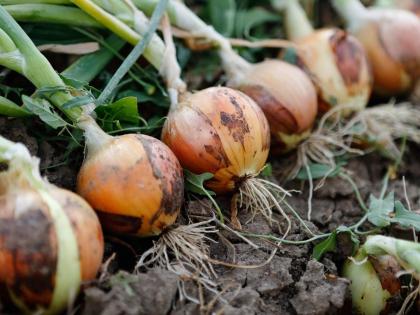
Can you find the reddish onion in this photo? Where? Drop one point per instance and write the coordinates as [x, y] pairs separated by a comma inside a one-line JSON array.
[[391, 39]]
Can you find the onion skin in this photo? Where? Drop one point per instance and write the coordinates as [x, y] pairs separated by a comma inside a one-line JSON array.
[[28, 243], [338, 67], [391, 40], [221, 131], [287, 97], [135, 184]]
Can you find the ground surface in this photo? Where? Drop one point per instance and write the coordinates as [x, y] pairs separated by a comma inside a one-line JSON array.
[[290, 283]]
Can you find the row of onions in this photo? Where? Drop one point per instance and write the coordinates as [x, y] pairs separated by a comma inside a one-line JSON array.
[[135, 182]]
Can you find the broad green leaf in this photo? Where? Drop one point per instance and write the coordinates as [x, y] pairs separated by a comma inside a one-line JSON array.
[[330, 243], [327, 245], [124, 109], [406, 218], [380, 210], [43, 110], [222, 15], [320, 171], [195, 183]]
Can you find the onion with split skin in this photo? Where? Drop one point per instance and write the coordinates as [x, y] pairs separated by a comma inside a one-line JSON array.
[[334, 60], [50, 238], [221, 131], [134, 182], [391, 39]]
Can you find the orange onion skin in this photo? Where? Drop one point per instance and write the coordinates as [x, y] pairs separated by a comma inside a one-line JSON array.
[[287, 97], [135, 184], [28, 243], [392, 41], [337, 64], [221, 131]]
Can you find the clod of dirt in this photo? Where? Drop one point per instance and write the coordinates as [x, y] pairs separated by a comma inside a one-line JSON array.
[[268, 279], [317, 293], [15, 130], [149, 293]]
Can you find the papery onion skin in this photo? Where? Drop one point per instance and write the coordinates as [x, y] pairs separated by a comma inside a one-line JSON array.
[[135, 184], [28, 243], [287, 97], [338, 67], [391, 40], [221, 131]]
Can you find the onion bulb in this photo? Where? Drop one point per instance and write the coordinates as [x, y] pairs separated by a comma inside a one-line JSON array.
[[410, 5], [50, 238], [134, 182], [221, 131], [287, 97], [391, 39], [335, 60]]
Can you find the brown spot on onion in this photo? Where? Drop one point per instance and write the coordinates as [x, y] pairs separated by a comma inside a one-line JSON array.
[[387, 269]]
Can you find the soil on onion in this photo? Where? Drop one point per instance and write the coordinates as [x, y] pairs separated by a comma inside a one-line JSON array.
[[290, 282]]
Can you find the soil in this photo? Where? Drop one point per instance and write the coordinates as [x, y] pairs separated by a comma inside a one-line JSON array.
[[290, 282]]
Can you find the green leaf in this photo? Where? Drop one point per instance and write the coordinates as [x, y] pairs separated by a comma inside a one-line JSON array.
[[327, 245], [406, 218], [222, 15], [10, 109], [267, 170], [44, 111], [143, 97], [124, 109], [320, 171], [330, 243], [290, 56], [195, 183], [246, 20], [78, 101], [380, 210]]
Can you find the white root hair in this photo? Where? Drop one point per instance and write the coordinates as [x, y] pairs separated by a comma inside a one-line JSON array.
[[260, 196], [183, 250]]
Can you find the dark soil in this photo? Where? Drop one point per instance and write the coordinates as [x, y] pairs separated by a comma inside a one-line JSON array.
[[290, 283]]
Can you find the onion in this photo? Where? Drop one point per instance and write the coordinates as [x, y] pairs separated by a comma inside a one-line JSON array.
[[134, 182], [391, 40], [50, 238], [220, 131], [410, 5], [287, 98], [335, 60]]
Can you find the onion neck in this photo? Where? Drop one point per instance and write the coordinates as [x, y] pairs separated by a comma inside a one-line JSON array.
[[296, 22], [95, 137], [352, 11]]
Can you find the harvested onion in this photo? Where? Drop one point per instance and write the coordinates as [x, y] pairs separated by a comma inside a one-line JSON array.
[[221, 131], [50, 238], [391, 39], [334, 60], [134, 182]]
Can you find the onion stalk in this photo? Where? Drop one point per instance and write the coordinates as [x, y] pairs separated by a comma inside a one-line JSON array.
[[44, 269], [390, 38], [131, 203], [374, 271], [334, 60]]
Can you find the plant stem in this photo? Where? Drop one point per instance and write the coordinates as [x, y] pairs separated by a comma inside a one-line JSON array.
[[7, 2], [295, 20], [181, 16], [153, 53], [350, 10], [35, 66], [11, 109], [385, 3], [135, 53], [51, 13]]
